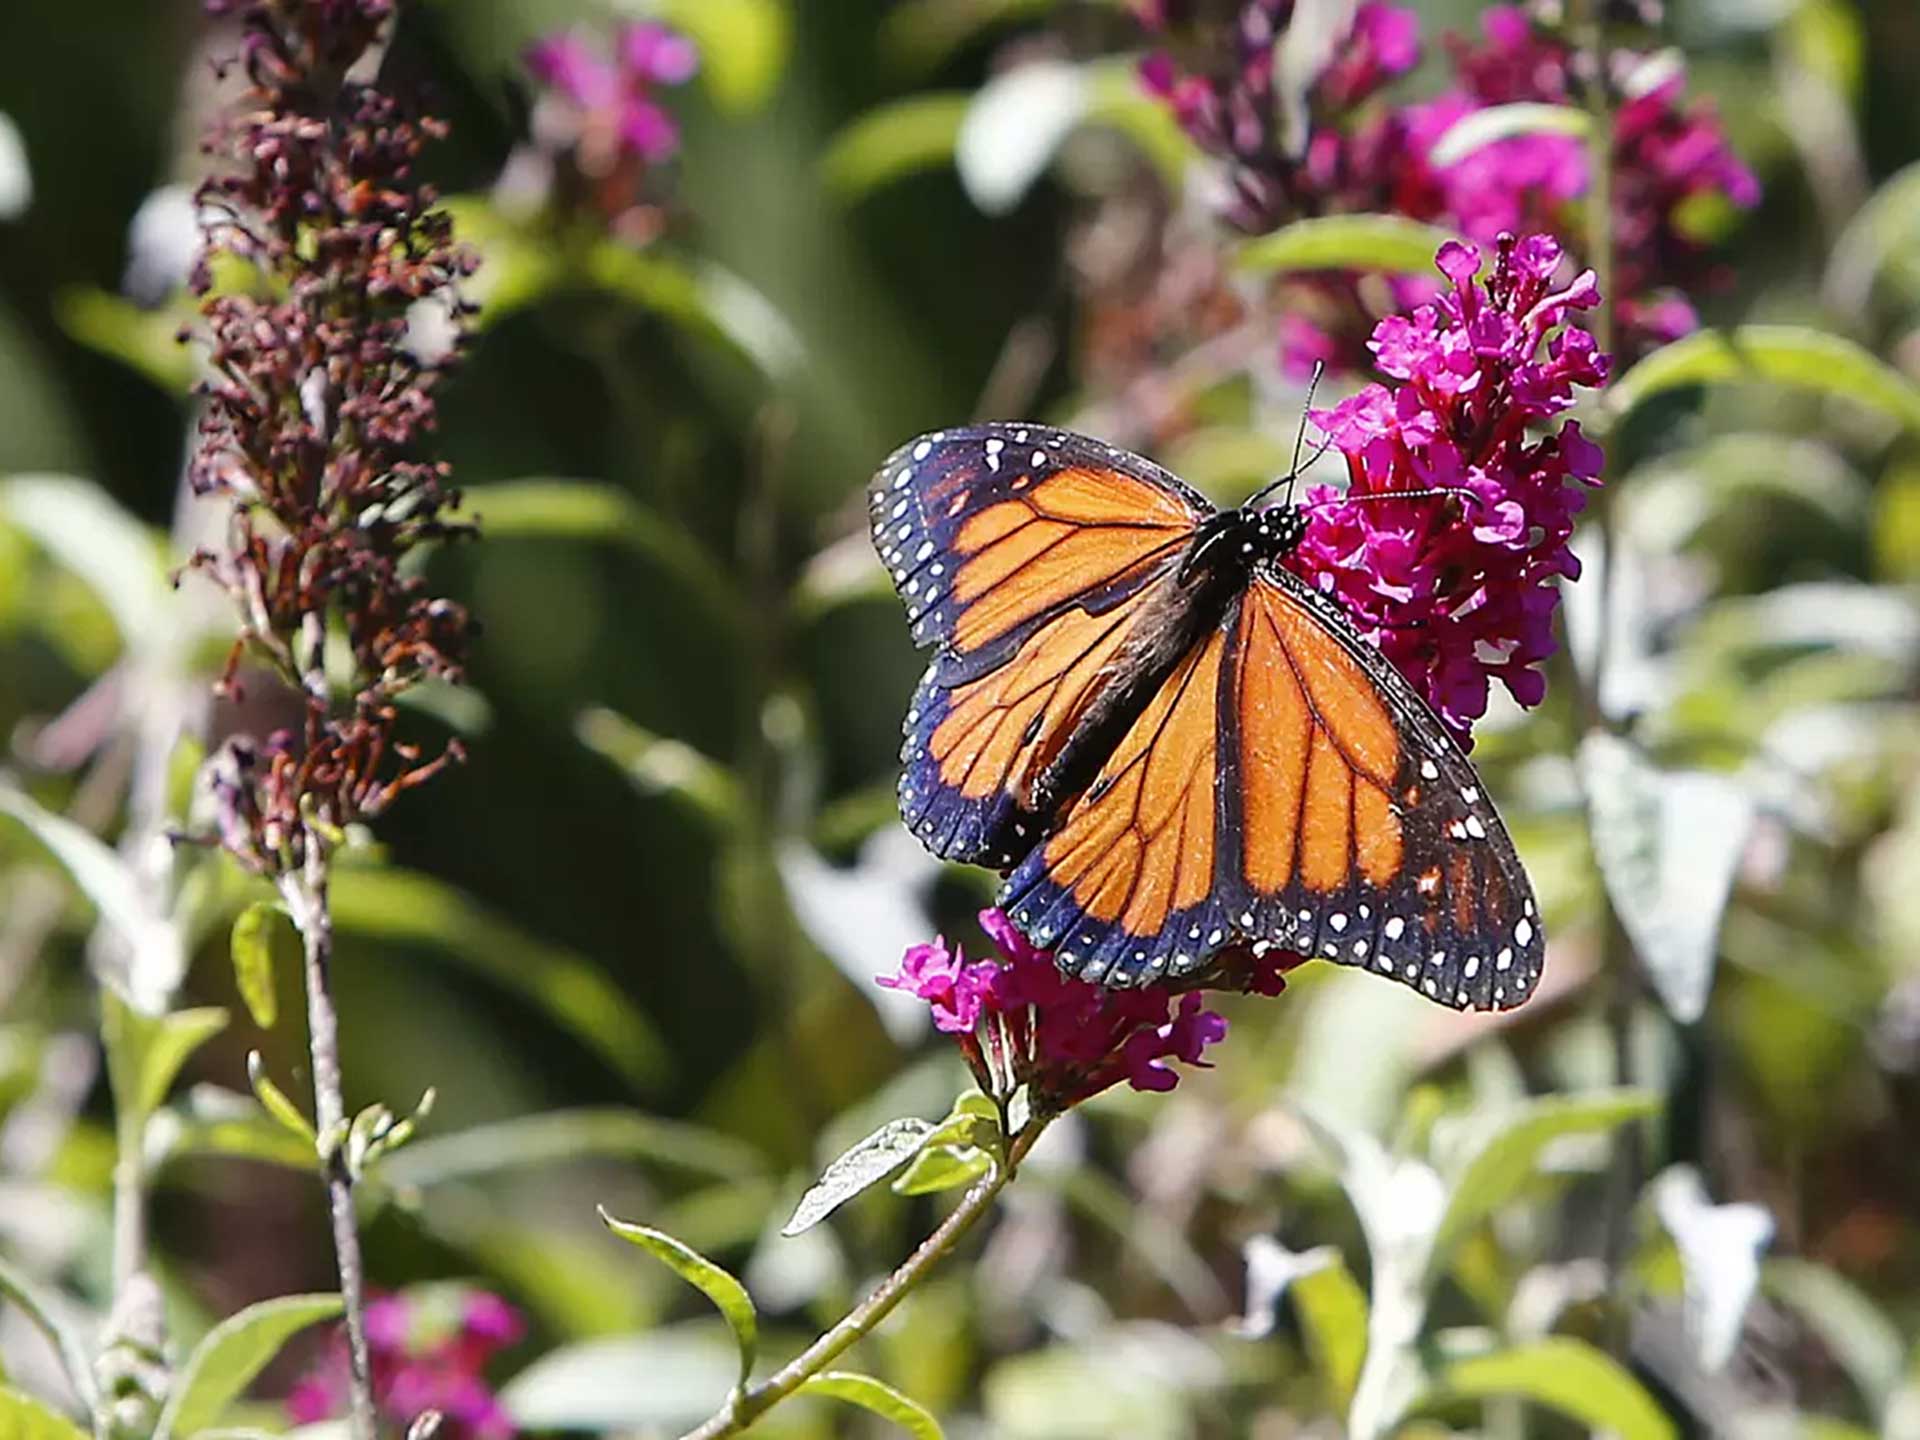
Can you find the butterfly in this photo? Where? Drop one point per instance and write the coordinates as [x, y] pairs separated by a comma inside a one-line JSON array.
[[1169, 744]]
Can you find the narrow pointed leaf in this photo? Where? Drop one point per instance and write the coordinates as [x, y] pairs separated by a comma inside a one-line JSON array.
[[1569, 1376], [1389, 243], [224, 1364], [277, 1104], [878, 1398], [728, 1294], [866, 1163], [264, 942]]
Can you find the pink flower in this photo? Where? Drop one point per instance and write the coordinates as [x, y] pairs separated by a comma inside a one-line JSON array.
[[1068, 1039], [614, 97], [429, 1349], [1457, 590]]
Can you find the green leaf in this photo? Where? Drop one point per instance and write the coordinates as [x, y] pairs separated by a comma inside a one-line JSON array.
[[146, 340], [658, 765], [1667, 844], [942, 1168], [233, 1353], [1016, 124], [113, 553], [153, 943], [1495, 1169], [557, 1137], [865, 1163], [45, 1309], [24, 1418], [1883, 232], [404, 907], [727, 1293], [277, 1104], [664, 1381], [145, 1053], [547, 509], [1329, 1302], [1775, 354], [743, 45], [262, 929], [894, 140], [876, 1397], [1387, 243], [1566, 1375], [706, 299], [1854, 1330], [1485, 127]]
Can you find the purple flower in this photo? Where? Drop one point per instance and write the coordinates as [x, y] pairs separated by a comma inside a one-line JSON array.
[[1019, 1021], [615, 114], [430, 1349], [1457, 590]]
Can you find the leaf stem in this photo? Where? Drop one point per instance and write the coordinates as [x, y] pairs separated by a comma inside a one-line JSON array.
[[305, 893], [745, 1406]]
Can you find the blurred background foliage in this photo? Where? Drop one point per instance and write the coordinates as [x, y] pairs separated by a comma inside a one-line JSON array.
[[630, 943]]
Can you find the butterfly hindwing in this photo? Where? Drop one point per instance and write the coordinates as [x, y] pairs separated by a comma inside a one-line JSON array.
[[1024, 555]]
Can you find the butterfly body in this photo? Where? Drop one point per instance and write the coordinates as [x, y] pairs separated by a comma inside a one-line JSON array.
[[1172, 746]]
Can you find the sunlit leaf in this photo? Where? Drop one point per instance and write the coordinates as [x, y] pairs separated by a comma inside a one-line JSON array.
[[894, 140], [264, 941], [1389, 243], [743, 45], [225, 1363], [404, 907], [559, 1137], [279, 1108], [727, 1293], [1773, 354], [1494, 1170], [24, 1418], [1013, 128], [942, 1168], [866, 1163], [660, 765], [54, 1318], [1667, 844], [1566, 1375], [1329, 1302], [1856, 1332], [876, 1397], [1720, 1248], [144, 340], [145, 1052], [1481, 128]]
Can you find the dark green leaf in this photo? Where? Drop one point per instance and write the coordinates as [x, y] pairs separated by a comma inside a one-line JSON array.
[[1569, 1376], [1774, 354], [1388, 243], [866, 1163], [264, 942], [881, 1399], [234, 1351], [727, 1293]]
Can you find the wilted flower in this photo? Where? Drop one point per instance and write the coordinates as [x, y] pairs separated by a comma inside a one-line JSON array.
[[316, 420], [1019, 1021], [430, 1349], [1458, 589]]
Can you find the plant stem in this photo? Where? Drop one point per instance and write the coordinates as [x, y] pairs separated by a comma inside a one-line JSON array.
[[745, 1406], [305, 892]]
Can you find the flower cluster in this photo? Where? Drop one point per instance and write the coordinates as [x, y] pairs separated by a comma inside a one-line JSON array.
[[1019, 1021], [1457, 589], [599, 131], [317, 416], [1353, 155], [430, 1349]]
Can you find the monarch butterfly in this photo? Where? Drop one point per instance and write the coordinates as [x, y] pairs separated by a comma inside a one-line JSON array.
[[1168, 744]]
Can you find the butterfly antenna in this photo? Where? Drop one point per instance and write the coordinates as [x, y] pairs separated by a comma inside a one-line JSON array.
[[1300, 435]]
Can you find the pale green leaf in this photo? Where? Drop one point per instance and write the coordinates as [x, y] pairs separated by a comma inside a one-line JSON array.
[[1566, 1375], [404, 907], [894, 140], [1494, 1171], [51, 1314], [264, 942], [659, 765], [661, 1382], [1883, 232], [1012, 130], [1387, 243], [1773, 354], [876, 1397], [1480, 128], [942, 1168], [145, 1053], [727, 1293], [866, 1163], [1331, 1307], [118, 557], [278, 1106], [557, 1137], [233, 1353], [24, 1418], [743, 45]]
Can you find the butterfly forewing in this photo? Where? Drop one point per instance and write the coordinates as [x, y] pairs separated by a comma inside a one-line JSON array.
[[1023, 554]]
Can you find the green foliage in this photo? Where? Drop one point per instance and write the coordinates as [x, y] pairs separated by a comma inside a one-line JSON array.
[[234, 1351], [1566, 1375], [728, 1294], [264, 943], [1391, 243], [24, 1418], [877, 1397]]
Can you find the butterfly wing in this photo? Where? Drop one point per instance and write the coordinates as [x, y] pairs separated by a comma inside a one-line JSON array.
[[1287, 787], [1024, 555]]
